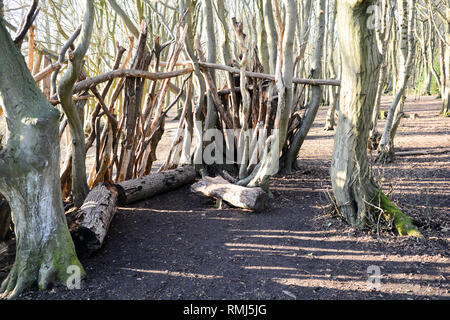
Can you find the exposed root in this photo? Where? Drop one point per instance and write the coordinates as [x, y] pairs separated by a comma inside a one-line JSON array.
[[42, 267], [402, 223], [17, 281], [385, 155]]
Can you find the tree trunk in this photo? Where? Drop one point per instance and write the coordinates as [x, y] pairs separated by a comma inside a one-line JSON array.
[[151, 185], [406, 54], [316, 94], [384, 36], [269, 165], [211, 112], [238, 196], [29, 179], [272, 37], [334, 92], [80, 187], [355, 191], [446, 98]]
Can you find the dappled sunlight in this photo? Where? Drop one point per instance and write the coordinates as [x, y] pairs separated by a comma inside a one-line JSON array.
[[318, 262]]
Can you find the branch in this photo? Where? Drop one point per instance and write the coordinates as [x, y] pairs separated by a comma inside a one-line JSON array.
[[26, 24], [313, 82], [121, 73], [75, 63], [130, 25]]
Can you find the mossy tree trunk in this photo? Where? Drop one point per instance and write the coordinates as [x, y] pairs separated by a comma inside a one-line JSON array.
[[29, 178], [355, 191]]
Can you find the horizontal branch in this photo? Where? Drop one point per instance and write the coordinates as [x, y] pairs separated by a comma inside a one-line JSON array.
[[75, 99], [265, 76], [313, 82], [121, 73], [47, 71]]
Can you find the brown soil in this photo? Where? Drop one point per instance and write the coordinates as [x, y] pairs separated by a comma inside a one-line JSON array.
[[178, 246]]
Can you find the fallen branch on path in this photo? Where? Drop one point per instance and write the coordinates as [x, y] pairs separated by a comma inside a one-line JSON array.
[[157, 183], [420, 152], [242, 197]]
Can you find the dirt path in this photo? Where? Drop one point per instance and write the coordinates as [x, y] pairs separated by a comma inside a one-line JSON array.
[[177, 246]]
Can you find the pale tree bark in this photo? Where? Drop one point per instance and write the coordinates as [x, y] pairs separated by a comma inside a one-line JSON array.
[[316, 93], [226, 55], [284, 73], [272, 37], [211, 113], [383, 36], [29, 179], [407, 11], [446, 98], [200, 84], [332, 67], [263, 46], [127, 21], [356, 193], [80, 187]]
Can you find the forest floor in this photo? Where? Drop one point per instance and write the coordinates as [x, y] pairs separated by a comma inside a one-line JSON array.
[[179, 246]]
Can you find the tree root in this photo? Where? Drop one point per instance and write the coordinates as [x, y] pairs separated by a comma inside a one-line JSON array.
[[46, 266], [402, 223], [385, 155], [16, 282]]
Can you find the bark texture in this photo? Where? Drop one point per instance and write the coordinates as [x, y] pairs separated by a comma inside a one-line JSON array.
[[29, 179], [149, 186], [357, 195], [92, 221]]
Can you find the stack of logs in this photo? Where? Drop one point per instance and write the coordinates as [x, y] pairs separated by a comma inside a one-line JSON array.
[[89, 224]]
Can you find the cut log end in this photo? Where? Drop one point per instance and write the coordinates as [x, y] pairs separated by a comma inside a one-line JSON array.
[[89, 225]]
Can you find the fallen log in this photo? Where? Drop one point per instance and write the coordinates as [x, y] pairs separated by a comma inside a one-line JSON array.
[[238, 196], [421, 152], [89, 225], [157, 183]]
